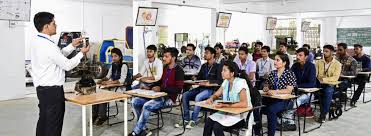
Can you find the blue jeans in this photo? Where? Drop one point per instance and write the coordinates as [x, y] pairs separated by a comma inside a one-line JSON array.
[[327, 92], [143, 107], [274, 107], [197, 94]]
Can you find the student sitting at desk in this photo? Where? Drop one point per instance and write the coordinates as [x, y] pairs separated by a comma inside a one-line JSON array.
[[257, 51], [280, 81], [245, 64], [348, 66], [365, 61], [191, 63], [305, 73], [150, 71], [283, 49], [264, 66], [219, 57], [328, 70], [210, 71], [233, 89], [171, 82], [116, 75]]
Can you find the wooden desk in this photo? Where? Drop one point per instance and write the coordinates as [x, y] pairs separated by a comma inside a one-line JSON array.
[[228, 110], [331, 83], [194, 81], [364, 73], [144, 95], [93, 99], [190, 74], [348, 77], [280, 96], [146, 81], [309, 90], [109, 86], [197, 83]]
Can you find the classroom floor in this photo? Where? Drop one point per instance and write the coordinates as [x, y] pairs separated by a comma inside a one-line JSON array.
[[19, 118]]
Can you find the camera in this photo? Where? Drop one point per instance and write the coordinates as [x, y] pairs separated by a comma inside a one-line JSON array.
[[85, 41]]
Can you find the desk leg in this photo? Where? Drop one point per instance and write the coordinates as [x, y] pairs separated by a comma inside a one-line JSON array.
[[83, 120], [125, 117], [91, 120]]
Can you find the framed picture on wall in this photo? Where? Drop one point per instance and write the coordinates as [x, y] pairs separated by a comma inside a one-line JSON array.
[[223, 19], [146, 16], [305, 26], [271, 23]]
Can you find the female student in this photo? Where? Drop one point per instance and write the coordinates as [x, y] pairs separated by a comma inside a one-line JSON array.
[[233, 89], [116, 75], [280, 81]]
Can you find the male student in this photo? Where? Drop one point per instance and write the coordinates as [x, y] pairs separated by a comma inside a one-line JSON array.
[[151, 70], [311, 55], [305, 73], [191, 63], [249, 66], [49, 64], [257, 51], [210, 71], [219, 57], [328, 69], [365, 61], [349, 66], [264, 66], [283, 49], [171, 82]]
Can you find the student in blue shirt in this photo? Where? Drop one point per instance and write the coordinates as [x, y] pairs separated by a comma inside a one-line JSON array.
[[364, 59]]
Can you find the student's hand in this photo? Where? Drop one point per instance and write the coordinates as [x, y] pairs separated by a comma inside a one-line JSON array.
[[156, 88], [219, 105], [194, 78], [204, 83], [77, 42], [209, 101], [320, 79], [99, 81], [85, 49], [145, 88], [104, 82], [265, 89], [272, 92], [266, 76]]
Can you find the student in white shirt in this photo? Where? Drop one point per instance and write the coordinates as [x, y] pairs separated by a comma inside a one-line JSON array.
[[151, 71], [49, 64], [233, 89], [117, 74], [264, 66]]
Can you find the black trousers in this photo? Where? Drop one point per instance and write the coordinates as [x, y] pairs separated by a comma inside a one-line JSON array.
[[218, 129], [361, 81], [100, 110], [52, 107]]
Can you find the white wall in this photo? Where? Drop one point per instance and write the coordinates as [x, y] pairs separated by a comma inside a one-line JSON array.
[[12, 75], [247, 28], [100, 21]]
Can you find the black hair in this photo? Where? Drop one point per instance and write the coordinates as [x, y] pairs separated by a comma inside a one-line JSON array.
[[344, 45], [183, 49], [41, 19], [118, 52], [191, 45], [152, 47], [259, 43], [283, 43], [211, 50], [306, 45], [330, 47], [358, 45], [173, 52], [267, 48], [305, 50], [244, 44], [232, 66], [245, 49], [284, 58], [218, 45]]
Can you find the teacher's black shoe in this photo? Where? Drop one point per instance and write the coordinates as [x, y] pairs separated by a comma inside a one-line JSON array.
[[353, 103]]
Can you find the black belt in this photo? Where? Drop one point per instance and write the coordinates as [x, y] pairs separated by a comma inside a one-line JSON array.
[[46, 87]]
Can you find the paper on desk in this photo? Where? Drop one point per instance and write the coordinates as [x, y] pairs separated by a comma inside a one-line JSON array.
[[225, 119], [307, 89], [147, 92]]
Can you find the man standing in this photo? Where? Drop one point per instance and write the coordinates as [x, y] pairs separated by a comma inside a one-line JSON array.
[[49, 64], [283, 49], [365, 61]]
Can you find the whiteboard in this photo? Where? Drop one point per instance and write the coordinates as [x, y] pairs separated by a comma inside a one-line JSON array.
[[17, 10]]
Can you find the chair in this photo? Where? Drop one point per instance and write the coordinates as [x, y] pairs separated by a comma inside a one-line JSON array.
[[364, 90]]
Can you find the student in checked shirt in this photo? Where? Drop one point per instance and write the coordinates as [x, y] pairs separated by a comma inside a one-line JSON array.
[[49, 64]]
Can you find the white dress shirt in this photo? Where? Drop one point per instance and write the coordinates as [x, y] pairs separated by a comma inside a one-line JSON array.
[[152, 69], [49, 63], [124, 73]]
